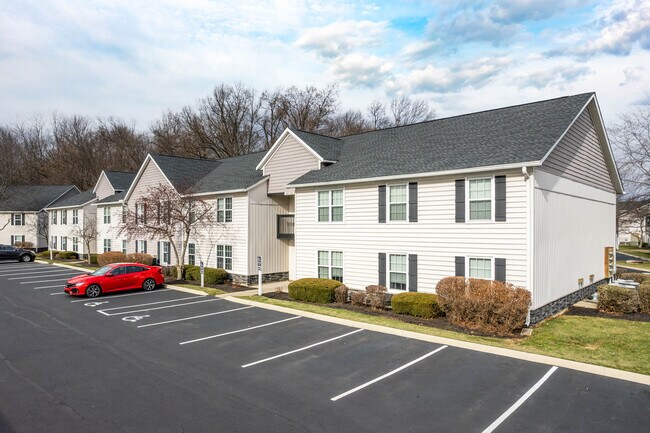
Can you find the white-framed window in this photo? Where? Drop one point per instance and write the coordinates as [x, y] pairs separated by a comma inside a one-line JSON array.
[[75, 216], [64, 241], [397, 271], [224, 210], [125, 212], [480, 267], [54, 217], [224, 257], [479, 199], [124, 246], [330, 205], [17, 219], [330, 265], [75, 241], [53, 242], [165, 252], [138, 213], [191, 254], [397, 202], [141, 246], [64, 217], [107, 215], [17, 239], [107, 245]]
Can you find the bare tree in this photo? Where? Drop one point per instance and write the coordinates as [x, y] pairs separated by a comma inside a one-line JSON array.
[[309, 109], [377, 115], [124, 147], [274, 116], [406, 110], [348, 123], [631, 138], [40, 227], [88, 232], [164, 213]]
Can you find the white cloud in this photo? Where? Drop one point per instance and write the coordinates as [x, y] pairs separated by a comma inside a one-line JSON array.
[[360, 70], [341, 37]]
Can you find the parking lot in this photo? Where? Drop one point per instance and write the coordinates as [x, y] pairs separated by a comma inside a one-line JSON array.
[[169, 361]]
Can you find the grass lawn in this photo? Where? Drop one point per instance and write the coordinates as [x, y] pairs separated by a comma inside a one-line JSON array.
[[635, 251], [210, 291], [624, 264], [620, 344], [84, 265]]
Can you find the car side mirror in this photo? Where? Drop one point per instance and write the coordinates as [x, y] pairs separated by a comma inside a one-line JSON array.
[[110, 274]]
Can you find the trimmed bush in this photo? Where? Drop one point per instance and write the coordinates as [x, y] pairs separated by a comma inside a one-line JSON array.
[[615, 299], [319, 290], [46, 254], [358, 298], [341, 294], [68, 255], [93, 259], [376, 296], [145, 259], [192, 273], [210, 275], [417, 304], [644, 297], [111, 257], [492, 307], [635, 276]]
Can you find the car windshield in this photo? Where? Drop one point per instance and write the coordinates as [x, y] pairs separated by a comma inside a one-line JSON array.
[[102, 271]]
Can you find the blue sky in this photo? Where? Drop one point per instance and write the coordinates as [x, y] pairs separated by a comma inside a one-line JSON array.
[[136, 59]]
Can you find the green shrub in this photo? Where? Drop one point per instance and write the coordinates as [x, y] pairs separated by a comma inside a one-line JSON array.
[[94, 259], [615, 299], [67, 255], [192, 273], [111, 257], [210, 275], [635, 276], [145, 259], [644, 297], [417, 304], [319, 290], [46, 254]]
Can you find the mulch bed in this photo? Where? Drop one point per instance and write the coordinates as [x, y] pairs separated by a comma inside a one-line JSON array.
[[592, 312], [230, 288], [438, 322]]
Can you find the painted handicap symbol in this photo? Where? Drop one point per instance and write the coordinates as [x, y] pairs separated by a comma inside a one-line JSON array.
[[94, 304], [134, 319]]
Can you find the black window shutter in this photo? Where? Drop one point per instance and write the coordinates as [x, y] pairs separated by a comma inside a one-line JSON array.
[[158, 256], [413, 273], [144, 214], [145, 247], [500, 269], [12, 240], [460, 266], [13, 216], [382, 269], [460, 200], [413, 202], [382, 203], [22, 220], [499, 198]]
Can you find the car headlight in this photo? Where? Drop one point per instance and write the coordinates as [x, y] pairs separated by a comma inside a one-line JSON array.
[[79, 284]]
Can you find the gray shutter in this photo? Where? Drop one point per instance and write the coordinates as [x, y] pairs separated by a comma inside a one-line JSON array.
[[499, 198], [460, 266], [12, 223], [158, 256], [12, 240], [413, 202], [460, 200], [22, 219], [145, 247], [382, 269], [500, 269], [382, 203], [413, 273]]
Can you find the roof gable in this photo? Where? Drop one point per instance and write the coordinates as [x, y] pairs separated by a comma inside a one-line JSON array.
[[33, 198], [322, 147]]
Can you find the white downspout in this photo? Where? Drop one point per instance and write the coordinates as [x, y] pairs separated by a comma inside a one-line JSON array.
[[530, 199]]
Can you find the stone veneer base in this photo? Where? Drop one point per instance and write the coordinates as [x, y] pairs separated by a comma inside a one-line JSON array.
[[252, 279], [564, 302]]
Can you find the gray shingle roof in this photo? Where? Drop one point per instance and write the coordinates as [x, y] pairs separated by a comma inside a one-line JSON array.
[[112, 198], [76, 200], [232, 174], [516, 134], [31, 198], [329, 148], [183, 173], [120, 180]]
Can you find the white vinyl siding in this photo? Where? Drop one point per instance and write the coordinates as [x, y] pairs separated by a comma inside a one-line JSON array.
[[397, 201], [480, 199], [103, 188], [330, 205], [290, 161]]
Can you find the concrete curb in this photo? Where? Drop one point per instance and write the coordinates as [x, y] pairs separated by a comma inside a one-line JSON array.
[[532, 357]]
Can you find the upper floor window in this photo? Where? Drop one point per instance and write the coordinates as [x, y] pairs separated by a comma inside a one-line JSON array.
[[224, 210], [75, 216], [107, 215], [17, 219], [330, 205], [139, 213], [480, 199], [125, 212], [64, 217], [397, 199], [54, 217]]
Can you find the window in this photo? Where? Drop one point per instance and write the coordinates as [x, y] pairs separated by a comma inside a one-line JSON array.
[[64, 241], [64, 217], [107, 245], [107, 215], [224, 257], [17, 219], [125, 212], [330, 205], [138, 213], [165, 252], [141, 246], [75, 216], [75, 244], [191, 254], [397, 196], [330, 265], [53, 217], [480, 199], [397, 270], [224, 210], [17, 240], [480, 268], [124, 246], [53, 242]]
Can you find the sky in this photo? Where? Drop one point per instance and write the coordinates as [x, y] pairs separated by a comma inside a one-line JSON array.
[[137, 59]]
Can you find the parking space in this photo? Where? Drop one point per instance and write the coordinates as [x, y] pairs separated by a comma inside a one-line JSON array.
[[173, 361]]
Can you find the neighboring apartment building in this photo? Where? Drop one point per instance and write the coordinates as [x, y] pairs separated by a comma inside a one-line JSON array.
[[110, 190], [72, 221], [23, 218], [633, 223]]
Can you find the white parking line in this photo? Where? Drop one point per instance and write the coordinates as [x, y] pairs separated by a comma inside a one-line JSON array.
[[22, 266], [301, 349], [122, 296], [45, 271], [45, 281], [390, 373], [519, 402], [158, 308], [152, 303], [239, 330], [58, 293], [195, 317], [47, 287], [52, 274]]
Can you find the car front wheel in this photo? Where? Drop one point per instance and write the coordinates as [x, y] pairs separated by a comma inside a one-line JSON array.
[[25, 258], [93, 291], [149, 284]]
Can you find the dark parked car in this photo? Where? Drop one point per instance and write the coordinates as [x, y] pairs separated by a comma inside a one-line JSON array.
[[7, 252]]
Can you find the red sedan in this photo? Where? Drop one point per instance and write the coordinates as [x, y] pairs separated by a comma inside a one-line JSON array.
[[115, 277]]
